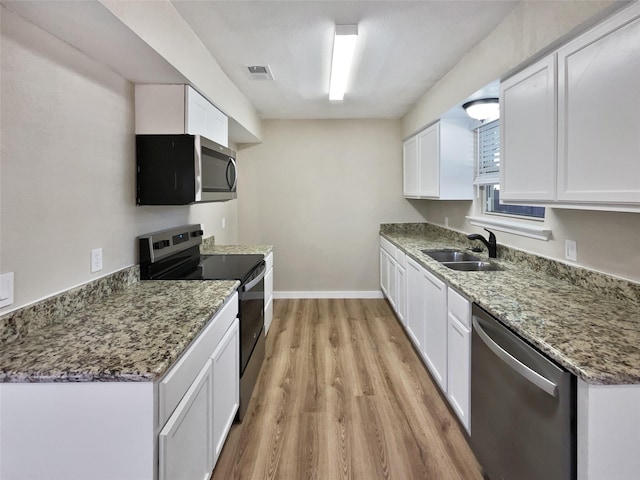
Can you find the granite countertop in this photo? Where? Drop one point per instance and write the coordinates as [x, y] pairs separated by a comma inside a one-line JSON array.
[[595, 336], [208, 249], [132, 335]]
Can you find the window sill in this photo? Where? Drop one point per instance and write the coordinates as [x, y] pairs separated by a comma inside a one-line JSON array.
[[517, 228]]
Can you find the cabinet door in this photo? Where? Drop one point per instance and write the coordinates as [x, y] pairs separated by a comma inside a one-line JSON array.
[[387, 276], [401, 294], [202, 118], [528, 133], [415, 303], [268, 293], [268, 314], [435, 337], [459, 369], [384, 272], [429, 161], [185, 442], [410, 167], [226, 386], [599, 113]]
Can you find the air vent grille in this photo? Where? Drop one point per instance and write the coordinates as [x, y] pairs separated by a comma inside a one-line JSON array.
[[259, 72]]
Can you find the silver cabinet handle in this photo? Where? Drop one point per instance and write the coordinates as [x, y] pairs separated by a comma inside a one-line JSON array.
[[534, 377]]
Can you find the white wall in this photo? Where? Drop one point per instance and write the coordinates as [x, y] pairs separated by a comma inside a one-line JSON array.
[[318, 190], [68, 168]]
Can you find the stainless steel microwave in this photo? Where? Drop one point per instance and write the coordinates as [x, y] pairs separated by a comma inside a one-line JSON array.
[[183, 169]]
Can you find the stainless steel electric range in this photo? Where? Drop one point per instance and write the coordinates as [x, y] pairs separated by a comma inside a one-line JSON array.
[[174, 254]]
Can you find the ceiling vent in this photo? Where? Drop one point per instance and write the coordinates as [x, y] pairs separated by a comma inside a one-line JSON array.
[[259, 72]]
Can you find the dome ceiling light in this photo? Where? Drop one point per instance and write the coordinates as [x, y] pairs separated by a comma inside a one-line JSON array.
[[483, 108]]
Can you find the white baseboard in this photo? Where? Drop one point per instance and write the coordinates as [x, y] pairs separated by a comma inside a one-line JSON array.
[[340, 294]]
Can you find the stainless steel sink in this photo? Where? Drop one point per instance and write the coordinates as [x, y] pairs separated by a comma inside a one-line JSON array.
[[450, 255], [473, 266], [459, 260]]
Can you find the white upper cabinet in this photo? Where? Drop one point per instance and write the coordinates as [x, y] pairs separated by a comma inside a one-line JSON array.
[[572, 140], [429, 161], [528, 133], [438, 162], [599, 115], [410, 167], [178, 109]]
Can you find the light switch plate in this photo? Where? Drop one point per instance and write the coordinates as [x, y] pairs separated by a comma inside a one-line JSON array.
[[571, 250], [6, 289]]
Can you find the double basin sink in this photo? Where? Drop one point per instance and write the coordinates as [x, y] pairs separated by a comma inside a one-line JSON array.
[[459, 260]]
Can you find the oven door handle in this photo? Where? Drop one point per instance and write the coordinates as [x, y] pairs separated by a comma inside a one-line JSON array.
[[253, 282], [534, 377]]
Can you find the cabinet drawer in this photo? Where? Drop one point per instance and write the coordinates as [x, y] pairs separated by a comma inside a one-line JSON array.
[[459, 307], [401, 258], [388, 247], [175, 383], [268, 260], [268, 285]]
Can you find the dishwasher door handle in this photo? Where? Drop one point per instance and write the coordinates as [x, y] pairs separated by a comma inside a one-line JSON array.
[[534, 377]]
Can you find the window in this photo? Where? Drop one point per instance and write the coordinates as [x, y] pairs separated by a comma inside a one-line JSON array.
[[488, 174]]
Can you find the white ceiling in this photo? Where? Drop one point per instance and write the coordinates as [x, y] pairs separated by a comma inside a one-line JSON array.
[[404, 48]]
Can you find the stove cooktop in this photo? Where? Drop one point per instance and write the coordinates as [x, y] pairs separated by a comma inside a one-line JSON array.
[[224, 267]]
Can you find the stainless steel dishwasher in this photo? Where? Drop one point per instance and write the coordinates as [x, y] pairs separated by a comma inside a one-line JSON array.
[[522, 407]]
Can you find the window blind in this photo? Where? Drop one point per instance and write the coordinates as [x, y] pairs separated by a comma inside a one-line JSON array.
[[488, 167]]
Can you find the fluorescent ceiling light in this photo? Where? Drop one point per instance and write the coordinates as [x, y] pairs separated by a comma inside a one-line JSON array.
[[344, 45], [483, 109]]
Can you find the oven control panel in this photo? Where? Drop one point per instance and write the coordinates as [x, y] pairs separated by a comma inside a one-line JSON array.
[[158, 245]]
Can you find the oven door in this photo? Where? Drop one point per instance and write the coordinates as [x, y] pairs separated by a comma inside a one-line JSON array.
[[251, 315]]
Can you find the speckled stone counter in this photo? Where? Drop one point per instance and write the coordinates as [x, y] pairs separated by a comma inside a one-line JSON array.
[[211, 249], [135, 334], [591, 327]]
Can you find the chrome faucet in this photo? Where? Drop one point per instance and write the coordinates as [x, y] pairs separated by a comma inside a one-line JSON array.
[[491, 244]]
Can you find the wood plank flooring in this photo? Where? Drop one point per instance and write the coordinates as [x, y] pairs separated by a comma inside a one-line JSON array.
[[343, 395]]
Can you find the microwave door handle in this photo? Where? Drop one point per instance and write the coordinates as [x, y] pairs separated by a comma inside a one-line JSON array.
[[232, 164]]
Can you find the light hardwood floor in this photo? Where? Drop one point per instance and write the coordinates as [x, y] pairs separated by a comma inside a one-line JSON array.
[[343, 395]]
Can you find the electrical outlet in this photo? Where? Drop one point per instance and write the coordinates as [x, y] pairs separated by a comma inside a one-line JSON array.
[[224, 222], [571, 250], [96, 260]]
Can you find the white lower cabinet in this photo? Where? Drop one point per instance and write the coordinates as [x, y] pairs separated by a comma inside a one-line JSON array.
[[170, 429], [435, 340], [225, 366], [186, 441], [401, 288], [415, 304], [387, 276], [268, 293], [438, 322], [392, 276], [459, 356]]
